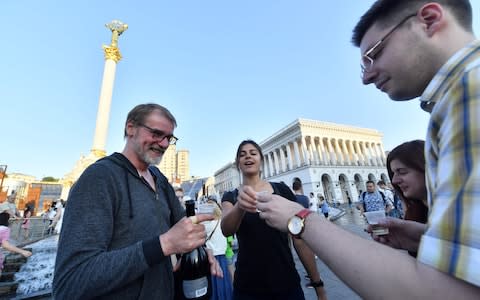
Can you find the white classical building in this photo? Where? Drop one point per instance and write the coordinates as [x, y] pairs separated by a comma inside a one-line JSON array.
[[329, 159], [227, 178]]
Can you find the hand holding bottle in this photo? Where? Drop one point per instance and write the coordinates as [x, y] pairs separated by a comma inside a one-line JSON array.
[[195, 272], [185, 235], [215, 268]]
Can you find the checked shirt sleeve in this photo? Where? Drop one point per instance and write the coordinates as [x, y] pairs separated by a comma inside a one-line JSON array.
[[452, 241]]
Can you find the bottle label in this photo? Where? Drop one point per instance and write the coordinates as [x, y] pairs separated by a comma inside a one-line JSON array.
[[195, 288]]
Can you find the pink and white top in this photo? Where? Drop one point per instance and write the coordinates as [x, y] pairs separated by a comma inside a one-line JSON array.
[[4, 235]]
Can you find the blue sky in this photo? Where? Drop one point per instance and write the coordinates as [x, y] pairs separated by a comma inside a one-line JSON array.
[[228, 70]]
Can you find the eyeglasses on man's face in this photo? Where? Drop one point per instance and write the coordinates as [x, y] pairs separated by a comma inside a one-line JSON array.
[[369, 57], [160, 135]]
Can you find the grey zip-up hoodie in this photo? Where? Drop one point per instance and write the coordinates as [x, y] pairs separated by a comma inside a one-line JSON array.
[[109, 246]]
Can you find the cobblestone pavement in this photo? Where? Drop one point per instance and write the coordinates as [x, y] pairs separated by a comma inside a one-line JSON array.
[[335, 288]]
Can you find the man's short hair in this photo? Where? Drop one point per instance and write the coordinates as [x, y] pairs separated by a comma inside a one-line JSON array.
[[381, 182], [140, 112], [178, 189], [297, 185], [370, 182], [389, 12]]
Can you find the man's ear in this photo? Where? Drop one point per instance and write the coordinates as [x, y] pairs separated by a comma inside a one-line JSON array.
[[130, 129], [432, 15]]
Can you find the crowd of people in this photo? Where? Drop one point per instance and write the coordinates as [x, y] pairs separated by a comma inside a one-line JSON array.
[[10, 214]]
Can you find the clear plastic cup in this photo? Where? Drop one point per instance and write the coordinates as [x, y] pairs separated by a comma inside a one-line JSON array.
[[261, 193], [206, 208], [372, 218]]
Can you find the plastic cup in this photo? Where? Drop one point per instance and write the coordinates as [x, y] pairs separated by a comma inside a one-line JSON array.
[[206, 208], [372, 218], [262, 193]]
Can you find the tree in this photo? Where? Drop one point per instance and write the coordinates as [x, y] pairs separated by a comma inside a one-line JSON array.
[[49, 179]]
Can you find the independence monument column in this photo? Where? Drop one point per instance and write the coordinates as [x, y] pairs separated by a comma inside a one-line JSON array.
[[112, 56]]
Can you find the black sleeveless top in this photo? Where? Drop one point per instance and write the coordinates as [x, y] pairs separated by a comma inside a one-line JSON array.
[[265, 263]]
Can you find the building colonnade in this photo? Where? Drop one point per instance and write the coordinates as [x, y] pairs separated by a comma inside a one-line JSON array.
[[322, 151]]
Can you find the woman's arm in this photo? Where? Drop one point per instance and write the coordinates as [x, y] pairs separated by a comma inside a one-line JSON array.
[[307, 257], [7, 246], [231, 219]]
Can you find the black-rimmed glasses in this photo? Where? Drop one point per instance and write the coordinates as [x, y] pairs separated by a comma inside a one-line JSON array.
[[160, 135], [369, 57]]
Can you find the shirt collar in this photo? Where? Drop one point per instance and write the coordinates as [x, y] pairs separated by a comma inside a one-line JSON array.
[[454, 66]]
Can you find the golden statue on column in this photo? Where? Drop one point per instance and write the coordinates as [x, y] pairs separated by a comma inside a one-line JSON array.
[[112, 57]]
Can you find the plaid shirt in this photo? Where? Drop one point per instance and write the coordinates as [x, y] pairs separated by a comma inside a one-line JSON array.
[[451, 243]]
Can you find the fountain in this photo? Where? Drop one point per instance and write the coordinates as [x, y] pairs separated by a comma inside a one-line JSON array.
[[35, 277]]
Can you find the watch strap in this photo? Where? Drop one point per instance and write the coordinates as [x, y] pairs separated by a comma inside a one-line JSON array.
[[303, 213]]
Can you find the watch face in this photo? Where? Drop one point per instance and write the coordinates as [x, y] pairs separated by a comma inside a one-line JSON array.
[[295, 225]]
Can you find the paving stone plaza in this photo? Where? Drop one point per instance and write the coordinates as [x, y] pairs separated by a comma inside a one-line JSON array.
[[335, 288]]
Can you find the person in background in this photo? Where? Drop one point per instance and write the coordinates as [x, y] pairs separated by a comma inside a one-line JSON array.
[[313, 202], [382, 187], [57, 220], [373, 200], [399, 205], [51, 213], [324, 206], [27, 214], [260, 272], [221, 287], [180, 194], [9, 205], [4, 236], [350, 204], [298, 191], [406, 169], [58, 226], [317, 284], [229, 255]]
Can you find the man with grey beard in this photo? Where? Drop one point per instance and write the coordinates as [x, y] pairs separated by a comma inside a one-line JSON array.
[[123, 220]]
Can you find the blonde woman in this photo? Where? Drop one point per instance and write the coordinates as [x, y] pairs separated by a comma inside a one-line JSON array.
[[217, 243]]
